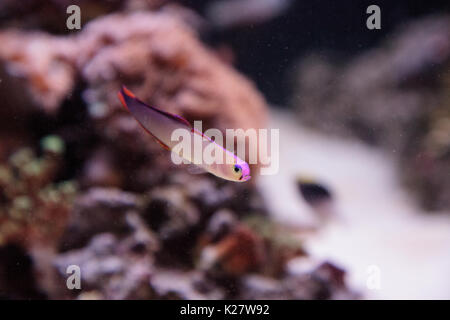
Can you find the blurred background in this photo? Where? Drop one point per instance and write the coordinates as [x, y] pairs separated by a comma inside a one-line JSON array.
[[358, 210]]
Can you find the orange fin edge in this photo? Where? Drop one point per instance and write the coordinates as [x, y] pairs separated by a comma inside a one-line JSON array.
[[131, 95], [201, 134], [122, 100], [162, 144], [128, 92]]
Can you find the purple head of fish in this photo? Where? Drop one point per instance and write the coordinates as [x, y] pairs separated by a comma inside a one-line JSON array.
[[245, 172]]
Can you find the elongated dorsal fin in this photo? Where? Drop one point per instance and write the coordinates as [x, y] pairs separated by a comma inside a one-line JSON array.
[[194, 131], [127, 96]]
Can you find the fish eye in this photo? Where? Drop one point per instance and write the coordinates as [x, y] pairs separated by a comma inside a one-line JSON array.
[[237, 168]]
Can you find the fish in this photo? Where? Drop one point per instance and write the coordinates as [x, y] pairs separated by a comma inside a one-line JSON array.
[[161, 124]]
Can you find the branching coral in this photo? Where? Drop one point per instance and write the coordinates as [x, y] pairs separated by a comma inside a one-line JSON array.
[[32, 207]]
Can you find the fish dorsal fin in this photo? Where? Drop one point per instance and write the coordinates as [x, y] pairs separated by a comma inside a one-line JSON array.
[[162, 144], [195, 131], [127, 94]]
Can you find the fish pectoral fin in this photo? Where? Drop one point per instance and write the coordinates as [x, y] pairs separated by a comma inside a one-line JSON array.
[[194, 169]]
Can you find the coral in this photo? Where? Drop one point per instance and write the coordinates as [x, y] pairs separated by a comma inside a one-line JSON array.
[[97, 211], [155, 54], [170, 284], [138, 226], [316, 281], [112, 268], [156, 44], [35, 14], [33, 209], [41, 63]]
